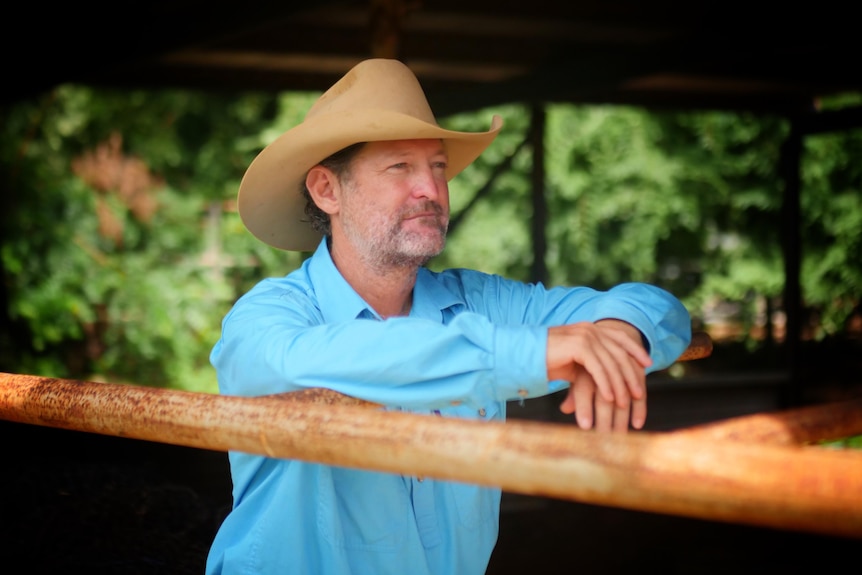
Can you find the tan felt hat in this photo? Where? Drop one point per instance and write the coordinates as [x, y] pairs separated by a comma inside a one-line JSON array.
[[378, 99]]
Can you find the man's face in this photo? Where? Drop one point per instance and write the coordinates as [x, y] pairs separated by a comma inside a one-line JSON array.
[[395, 203]]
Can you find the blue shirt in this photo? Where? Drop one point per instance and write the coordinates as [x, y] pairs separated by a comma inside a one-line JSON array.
[[472, 339]]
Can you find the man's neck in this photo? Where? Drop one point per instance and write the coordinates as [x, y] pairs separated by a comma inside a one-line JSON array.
[[387, 289]]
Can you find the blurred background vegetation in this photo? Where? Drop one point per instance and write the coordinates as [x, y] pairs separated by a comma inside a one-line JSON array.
[[121, 248]]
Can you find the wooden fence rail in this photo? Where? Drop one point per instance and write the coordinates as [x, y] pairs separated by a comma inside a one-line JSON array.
[[771, 479]]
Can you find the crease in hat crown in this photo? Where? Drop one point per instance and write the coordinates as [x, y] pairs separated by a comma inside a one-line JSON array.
[[378, 99]]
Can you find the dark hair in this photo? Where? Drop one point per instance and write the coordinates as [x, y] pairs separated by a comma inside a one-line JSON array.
[[339, 164]]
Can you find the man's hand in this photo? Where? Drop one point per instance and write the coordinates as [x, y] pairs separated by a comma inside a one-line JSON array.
[[605, 363]]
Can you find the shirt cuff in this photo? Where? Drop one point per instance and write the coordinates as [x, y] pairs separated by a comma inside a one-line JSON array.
[[521, 369]]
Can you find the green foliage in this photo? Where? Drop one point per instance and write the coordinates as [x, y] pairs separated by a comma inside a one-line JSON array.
[[494, 235], [613, 196], [108, 266], [832, 219], [121, 247], [852, 442], [688, 201], [728, 169]]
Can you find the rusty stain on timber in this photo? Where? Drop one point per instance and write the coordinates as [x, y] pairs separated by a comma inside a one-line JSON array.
[[322, 396]]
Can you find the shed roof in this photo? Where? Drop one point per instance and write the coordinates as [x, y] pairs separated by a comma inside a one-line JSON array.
[[467, 53]]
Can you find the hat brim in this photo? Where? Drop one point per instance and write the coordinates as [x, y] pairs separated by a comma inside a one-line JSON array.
[[270, 200]]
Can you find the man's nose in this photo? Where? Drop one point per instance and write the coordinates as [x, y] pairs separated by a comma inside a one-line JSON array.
[[429, 184]]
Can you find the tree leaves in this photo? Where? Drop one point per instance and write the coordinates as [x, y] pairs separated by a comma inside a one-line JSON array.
[[121, 247]]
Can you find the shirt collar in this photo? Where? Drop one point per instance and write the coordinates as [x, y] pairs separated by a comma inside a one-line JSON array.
[[339, 302], [431, 296]]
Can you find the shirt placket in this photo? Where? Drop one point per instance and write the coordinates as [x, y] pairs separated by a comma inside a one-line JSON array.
[[424, 509]]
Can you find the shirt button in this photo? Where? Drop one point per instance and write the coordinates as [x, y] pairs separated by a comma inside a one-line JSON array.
[[482, 412], [523, 392]]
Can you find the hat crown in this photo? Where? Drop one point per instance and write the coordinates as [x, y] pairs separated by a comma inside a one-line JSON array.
[[377, 84]]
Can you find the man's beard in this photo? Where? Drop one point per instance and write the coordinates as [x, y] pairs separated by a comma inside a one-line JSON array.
[[384, 242]]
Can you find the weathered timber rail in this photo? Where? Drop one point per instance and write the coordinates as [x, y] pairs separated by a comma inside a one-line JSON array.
[[773, 478]]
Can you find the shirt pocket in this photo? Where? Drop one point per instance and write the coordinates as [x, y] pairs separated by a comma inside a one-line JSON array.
[[362, 509], [476, 505]]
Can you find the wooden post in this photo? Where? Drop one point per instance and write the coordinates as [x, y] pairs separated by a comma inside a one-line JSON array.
[[791, 244], [539, 221], [386, 28]]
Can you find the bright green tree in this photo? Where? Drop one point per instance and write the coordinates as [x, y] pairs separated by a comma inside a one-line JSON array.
[[831, 274], [109, 262]]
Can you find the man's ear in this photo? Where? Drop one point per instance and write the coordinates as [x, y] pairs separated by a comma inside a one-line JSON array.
[[321, 184]]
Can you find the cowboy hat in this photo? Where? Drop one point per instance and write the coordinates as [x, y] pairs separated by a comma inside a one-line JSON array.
[[378, 99]]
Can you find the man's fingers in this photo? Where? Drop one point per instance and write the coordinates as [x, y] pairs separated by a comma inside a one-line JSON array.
[[584, 396], [613, 368], [567, 406], [628, 337], [605, 413], [609, 351], [634, 359], [600, 366], [639, 412], [620, 362], [593, 412], [621, 418], [634, 376]]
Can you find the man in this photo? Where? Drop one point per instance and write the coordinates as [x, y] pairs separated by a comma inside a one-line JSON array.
[[363, 181]]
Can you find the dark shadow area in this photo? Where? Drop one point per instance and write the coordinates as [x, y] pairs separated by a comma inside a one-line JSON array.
[[553, 536], [86, 503]]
